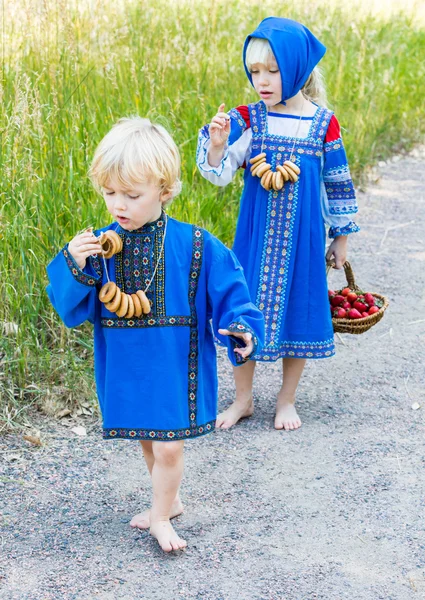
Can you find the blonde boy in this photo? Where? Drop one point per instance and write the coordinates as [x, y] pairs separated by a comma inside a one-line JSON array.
[[155, 371]]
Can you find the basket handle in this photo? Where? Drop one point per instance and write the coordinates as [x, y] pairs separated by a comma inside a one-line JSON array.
[[349, 275]]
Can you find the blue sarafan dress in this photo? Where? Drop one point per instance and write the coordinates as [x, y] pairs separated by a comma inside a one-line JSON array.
[[156, 375], [280, 236]]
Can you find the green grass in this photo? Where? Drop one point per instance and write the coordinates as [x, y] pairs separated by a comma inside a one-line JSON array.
[[69, 74]]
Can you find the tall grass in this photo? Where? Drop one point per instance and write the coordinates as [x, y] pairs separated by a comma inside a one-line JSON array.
[[71, 69]]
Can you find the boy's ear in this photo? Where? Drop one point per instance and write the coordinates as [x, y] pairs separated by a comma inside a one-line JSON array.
[[166, 196]]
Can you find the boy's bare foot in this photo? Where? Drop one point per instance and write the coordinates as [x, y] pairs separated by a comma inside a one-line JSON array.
[[233, 414], [167, 538], [286, 416], [142, 520]]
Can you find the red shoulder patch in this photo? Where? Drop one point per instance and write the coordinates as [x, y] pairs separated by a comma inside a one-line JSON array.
[[334, 130], [244, 112]]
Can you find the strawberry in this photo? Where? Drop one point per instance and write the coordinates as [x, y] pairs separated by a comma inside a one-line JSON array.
[[337, 300], [346, 305], [331, 293], [373, 310], [345, 291], [354, 314], [365, 314], [352, 297], [340, 313], [360, 306], [369, 299]]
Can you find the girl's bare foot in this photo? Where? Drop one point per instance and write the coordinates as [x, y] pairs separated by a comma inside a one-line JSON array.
[[142, 520], [286, 416], [236, 411], [167, 538]]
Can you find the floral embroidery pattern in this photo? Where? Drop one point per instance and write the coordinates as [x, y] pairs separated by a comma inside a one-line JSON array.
[[241, 328], [324, 349], [155, 434], [347, 229], [77, 273], [135, 264], [148, 321], [195, 269]]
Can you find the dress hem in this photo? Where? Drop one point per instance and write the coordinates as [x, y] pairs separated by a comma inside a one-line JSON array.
[[162, 435]]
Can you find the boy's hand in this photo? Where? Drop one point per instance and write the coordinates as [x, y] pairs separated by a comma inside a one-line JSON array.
[[82, 246], [219, 128], [338, 251], [245, 337]]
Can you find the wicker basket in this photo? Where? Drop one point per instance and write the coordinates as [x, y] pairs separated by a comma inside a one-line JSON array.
[[357, 325]]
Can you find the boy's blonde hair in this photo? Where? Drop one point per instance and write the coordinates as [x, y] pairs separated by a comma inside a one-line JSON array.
[[134, 151], [259, 51]]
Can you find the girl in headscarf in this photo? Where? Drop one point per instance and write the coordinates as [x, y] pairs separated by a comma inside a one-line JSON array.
[[296, 180]]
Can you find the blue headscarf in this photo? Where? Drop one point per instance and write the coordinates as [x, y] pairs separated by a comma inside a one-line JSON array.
[[296, 50]]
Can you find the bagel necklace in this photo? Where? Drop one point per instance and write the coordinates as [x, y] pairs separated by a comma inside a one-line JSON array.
[[276, 180], [115, 300]]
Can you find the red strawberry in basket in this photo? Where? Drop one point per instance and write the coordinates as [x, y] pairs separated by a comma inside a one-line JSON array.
[[352, 297], [331, 293], [354, 314], [365, 314], [360, 306], [345, 291], [373, 310], [369, 299], [337, 300], [346, 305]]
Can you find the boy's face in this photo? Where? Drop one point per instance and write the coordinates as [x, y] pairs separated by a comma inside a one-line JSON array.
[[134, 207], [267, 81]]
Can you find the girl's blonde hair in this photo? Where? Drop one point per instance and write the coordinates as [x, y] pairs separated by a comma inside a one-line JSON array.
[[134, 151], [259, 51]]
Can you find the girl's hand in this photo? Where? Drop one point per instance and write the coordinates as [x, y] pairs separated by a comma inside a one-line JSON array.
[[338, 251], [82, 246], [219, 128], [245, 337]]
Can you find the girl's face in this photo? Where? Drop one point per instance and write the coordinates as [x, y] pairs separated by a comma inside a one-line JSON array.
[[267, 81], [134, 207]]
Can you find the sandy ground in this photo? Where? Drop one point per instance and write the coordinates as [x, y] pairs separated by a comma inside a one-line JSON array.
[[333, 511]]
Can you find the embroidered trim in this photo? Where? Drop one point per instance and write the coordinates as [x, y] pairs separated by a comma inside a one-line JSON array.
[[96, 264], [195, 269], [146, 322], [158, 434], [337, 174], [241, 328], [333, 146], [202, 157], [346, 230], [323, 349], [135, 264], [77, 273], [236, 115]]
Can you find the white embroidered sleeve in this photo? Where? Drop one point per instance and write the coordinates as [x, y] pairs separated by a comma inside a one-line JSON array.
[[234, 157]]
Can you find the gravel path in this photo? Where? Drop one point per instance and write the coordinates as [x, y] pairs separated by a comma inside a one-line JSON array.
[[334, 511]]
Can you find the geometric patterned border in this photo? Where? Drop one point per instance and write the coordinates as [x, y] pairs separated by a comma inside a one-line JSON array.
[[159, 434], [146, 322], [324, 349], [77, 273]]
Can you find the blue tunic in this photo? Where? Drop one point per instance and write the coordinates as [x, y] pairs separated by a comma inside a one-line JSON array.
[[156, 375]]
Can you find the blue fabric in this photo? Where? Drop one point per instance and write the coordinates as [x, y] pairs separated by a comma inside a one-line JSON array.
[[280, 242], [156, 376], [297, 51]]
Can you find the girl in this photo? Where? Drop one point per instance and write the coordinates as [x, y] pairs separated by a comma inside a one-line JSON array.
[[159, 287], [300, 181]]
